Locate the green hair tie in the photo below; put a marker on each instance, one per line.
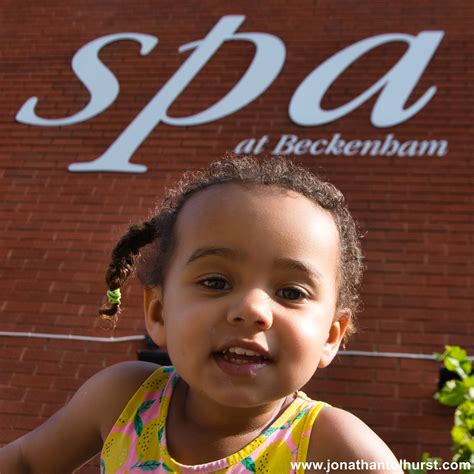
(114, 296)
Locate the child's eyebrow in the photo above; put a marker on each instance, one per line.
(298, 265)
(284, 263)
(219, 251)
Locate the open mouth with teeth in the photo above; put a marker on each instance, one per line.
(237, 355)
(239, 361)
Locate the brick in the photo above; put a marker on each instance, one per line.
(400, 405)
(436, 438)
(12, 393)
(424, 422)
(46, 396)
(55, 369)
(17, 406)
(6, 366)
(21, 422)
(28, 380)
(7, 436)
(58, 228)
(391, 435)
(43, 354)
(351, 374)
(415, 391)
(12, 353)
(349, 402)
(71, 384)
(401, 377)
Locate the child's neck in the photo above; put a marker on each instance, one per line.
(200, 430)
(205, 414)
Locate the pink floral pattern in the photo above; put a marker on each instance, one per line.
(137, 441)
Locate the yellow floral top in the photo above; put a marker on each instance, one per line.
(137, 441)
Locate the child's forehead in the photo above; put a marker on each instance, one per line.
(222, 208)
(240, 195)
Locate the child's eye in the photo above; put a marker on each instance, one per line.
(291, 293)
(215, 283)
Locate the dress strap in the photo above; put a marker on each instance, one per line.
(307, 430)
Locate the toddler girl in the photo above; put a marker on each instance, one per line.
(250, 272)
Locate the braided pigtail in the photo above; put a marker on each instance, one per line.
(124, 256)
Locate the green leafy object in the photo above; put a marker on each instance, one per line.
(459, 435)
(249, 464)
(462, 433)
(470, 446)
(467, 407)
(456, 353)
(269, 431)
(452, 364)
(455, 359)
(463, 455)
(300, 415)
(148, 465)
(138, 424)
(465, 411)
(470, 425)
(466, 366)
(462, 416)
(145, 406)
(452, 394)
(160, 433)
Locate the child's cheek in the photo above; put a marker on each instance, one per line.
(307, 339)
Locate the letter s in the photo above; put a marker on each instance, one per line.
(96, 77)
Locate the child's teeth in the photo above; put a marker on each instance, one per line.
(240, 350)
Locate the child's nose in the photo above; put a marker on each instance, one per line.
(253, 309)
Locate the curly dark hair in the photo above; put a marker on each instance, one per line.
(277, 171)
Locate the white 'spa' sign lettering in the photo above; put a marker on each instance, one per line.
(394, 87)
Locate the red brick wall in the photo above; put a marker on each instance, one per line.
(58, 227)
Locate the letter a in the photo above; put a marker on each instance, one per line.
(396, 85)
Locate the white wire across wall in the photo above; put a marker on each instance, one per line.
(73, 337)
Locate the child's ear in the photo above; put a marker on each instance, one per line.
(154, 322)
(335, 336)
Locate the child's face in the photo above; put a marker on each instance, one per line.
(254, 268)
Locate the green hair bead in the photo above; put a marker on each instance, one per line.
(114, 296)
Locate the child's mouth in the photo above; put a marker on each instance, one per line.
(241, 362)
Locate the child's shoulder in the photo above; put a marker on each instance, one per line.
(76, 432)
(338, 435)
(116, 385)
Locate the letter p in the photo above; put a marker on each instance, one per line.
(265, 67)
